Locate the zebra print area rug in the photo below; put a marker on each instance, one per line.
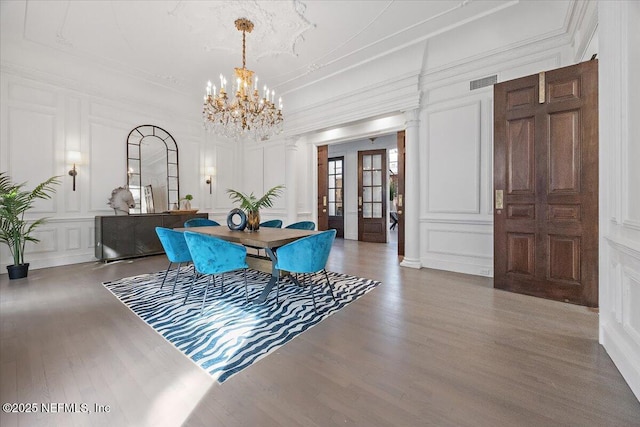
(231, 334)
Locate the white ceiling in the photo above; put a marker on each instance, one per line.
(184, 43)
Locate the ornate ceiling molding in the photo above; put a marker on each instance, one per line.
(279, 25)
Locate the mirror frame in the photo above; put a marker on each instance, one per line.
(134, 159)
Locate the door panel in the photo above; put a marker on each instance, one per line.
(545, 163)
(400, 203)
(323, 187)
(521, 160)
(335, 191)
(372, 196)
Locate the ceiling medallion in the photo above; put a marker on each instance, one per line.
(247, 113)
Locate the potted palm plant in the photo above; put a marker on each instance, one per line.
(252, 205)
(15, 230)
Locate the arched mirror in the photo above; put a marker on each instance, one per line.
(152, 169)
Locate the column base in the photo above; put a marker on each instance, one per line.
(411, 263)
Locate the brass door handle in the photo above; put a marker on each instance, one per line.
(324, 201)
(399, 212)
(499, 199)
(359, 200)
(399, 200)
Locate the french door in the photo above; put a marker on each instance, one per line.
(323, 187)
(372, 196)
(546, 184)
(400, 191)
(335, 203)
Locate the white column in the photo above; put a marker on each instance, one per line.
(411, 192)
(291, 180)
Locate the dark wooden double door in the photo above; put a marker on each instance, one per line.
(546, 185)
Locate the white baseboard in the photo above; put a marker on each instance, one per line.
(623, 357)
(458, 267)
(56, 262)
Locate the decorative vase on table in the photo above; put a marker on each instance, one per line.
(253, 220)
(186, 205)
(252, 205)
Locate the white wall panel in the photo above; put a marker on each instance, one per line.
(274, 171)
(631, 148)
(108, 164)
(454, 160)
(191, 171)
(253, 171)
(73, 142)
(224, 176)
(32, 155)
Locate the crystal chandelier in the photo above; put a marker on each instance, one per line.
(246, 112)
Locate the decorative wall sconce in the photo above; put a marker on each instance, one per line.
(74, 157)
(209, 180)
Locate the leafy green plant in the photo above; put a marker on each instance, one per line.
(250, 203)
(188, 197)
(15, 231)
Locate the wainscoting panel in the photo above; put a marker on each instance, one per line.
(459, 242)
(48, 236)
(464, 246)
(631, 290)
(73, 238)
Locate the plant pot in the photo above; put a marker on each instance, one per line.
(253, 221)
(19, 271)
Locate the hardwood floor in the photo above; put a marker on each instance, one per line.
(425, 348)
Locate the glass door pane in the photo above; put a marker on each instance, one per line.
(335, 187)
(372, 186)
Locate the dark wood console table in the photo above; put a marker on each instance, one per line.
(129, 236)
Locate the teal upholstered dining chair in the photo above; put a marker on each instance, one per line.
(274, 223)
(306, 255)
(175, 246)
(212, 256)
(303, 225)
(199, 222)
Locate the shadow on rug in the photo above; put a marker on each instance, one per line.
(231, 334)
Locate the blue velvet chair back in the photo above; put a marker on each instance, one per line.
(214, 256)
(174, 244)
(306, 255)
(274, 223)
(303, 225)
(200, 222)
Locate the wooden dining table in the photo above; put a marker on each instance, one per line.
(265, 238)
